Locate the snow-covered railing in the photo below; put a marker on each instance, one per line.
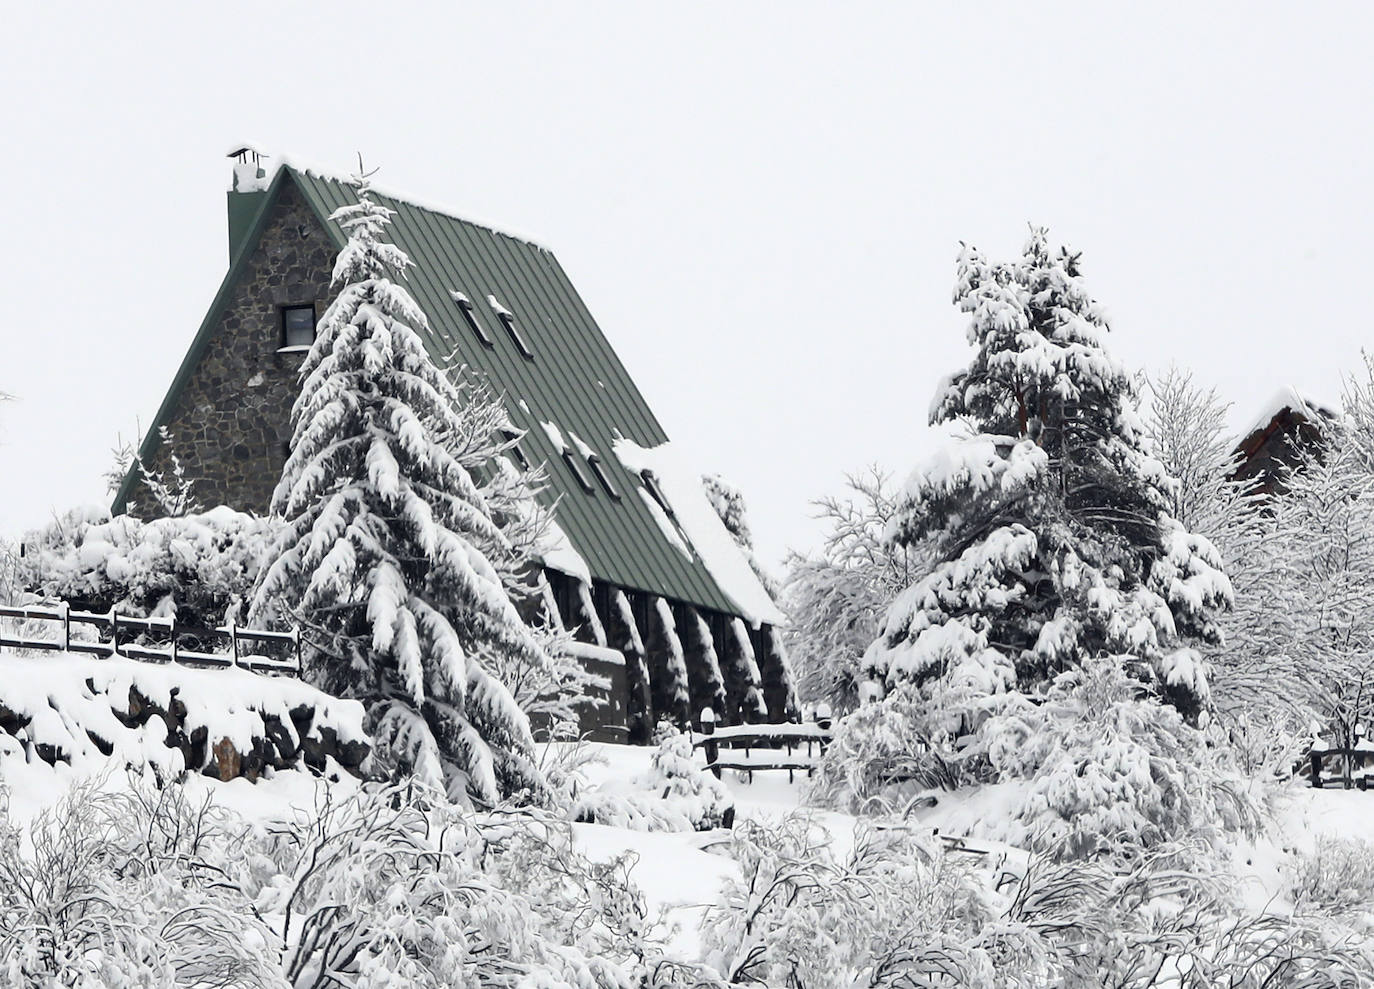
(1355, 765)
(110, 625)
(775, 742)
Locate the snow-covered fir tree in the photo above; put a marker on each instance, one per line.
(1048, 520)
(667, 666)
(705, 682)
(387, 556)
(622, 634)
(743, 684)
(779, 685)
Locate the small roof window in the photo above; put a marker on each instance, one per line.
(599, 469)
(655, 492)
(513, 438)
(297, 326)
(470, 317)
(507, 319)
(570, 459)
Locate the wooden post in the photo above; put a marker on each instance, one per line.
(234, 640)
(66, 627)
(1316, 759)
(708, 728)
(114, 633)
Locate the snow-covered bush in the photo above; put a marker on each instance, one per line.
(835, 600)
(126, 889)
(397, 887)
(896, 911)
(1110, 767)
(1336, 878)
(676, 794)
(199, 568)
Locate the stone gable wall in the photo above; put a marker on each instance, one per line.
(232, 421)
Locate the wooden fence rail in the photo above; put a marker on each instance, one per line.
(109, 626)
(1350, 764)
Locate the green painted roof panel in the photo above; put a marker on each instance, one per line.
(574, 381)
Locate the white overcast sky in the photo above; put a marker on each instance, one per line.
(760, 203)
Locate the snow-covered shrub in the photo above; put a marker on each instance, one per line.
(198, 568)
(896, 911)
(1335, 878)
(892, 912)
(880, 753)
(1109, 766)
(835, 600)
(397, 887)
(676, 794)
(126, 889)
(550, 691)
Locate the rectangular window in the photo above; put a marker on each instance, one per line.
(508, 321)
(470, 317)
(655, 492)
(599, 469)
(570, 459)
(297, 326)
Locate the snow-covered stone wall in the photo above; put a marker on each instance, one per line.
(82, 711)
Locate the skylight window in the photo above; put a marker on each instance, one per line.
(570, 459)
(598, 468)
(655, 492)
(514, 450)
(507, 319)
(470, 317)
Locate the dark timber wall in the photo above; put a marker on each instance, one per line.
(232, 421)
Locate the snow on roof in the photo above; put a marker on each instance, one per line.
(557, 552)
(271, 163)
(1288, 397)
(555, 436)
(497, 308)
(554, 547)
(718, 550)
(665, 525)
(582, 448)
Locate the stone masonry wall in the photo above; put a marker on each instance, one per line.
(232, 421)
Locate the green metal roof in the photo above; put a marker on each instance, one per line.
(574, 380)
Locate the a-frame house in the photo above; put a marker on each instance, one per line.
(640, 554)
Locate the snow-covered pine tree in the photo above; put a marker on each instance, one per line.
(667, 668)
(743, 684)
(779, 685)
(386, 556)
(622, 634)
(1048, 519)
(705, 684)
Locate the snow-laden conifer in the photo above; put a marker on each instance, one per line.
(704, 680)
(388, 553)
(624, 635)
(667, 666)
(1048, 519)
(743, 684)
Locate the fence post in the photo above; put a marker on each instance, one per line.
(708, 728)
(234, 640)
(114, 633)
(66, 627)
(1316, 768)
